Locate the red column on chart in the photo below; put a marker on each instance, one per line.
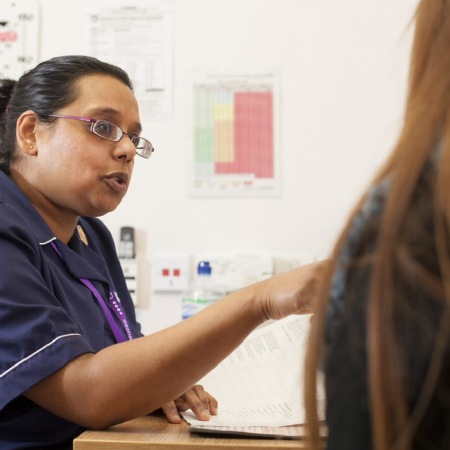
(253, 136)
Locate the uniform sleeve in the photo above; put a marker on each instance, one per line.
(37, 334)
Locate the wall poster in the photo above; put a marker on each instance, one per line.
(135, 35)
(234, 137)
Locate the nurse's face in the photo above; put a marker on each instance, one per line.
(77, 172)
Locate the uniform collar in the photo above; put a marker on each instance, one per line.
(81, 261)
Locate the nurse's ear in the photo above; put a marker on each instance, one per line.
(26, 129)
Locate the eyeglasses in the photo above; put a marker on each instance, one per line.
(111, 132)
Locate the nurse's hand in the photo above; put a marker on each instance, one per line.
(201, 402)
(291, 292)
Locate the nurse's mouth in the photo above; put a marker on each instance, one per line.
(117, 181)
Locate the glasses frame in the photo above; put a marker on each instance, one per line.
(93, 122)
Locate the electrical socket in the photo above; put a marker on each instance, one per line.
(171, 272)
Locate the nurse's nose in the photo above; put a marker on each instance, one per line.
(124, 148)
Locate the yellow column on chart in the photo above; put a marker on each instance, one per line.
(224, 132)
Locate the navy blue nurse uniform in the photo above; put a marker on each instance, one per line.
(47, 316)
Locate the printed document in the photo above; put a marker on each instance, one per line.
(261, 383)
(136, 35)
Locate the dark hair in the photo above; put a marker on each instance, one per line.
(47, 88)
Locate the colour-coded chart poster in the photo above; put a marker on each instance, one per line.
(235, 135)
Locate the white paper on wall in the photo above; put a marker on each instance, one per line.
(137, 36)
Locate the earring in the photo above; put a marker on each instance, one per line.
(31, 147)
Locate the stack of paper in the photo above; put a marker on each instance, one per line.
(261, 383)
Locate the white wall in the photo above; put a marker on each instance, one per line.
(343, 67)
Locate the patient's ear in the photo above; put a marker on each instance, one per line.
(26, 132)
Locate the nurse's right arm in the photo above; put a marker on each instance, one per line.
(134, 378)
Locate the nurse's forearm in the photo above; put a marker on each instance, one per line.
(134, 378)
(164, 365)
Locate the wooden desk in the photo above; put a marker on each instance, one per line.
(155, 433)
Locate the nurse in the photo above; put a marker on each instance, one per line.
(72, 355)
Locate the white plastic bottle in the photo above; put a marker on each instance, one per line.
(202, 292)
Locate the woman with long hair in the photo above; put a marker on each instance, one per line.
(382, 321)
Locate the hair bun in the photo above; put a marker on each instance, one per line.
(6, 90)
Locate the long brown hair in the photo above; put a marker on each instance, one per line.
(426, 123)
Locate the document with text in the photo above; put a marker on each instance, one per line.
(261, 383)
